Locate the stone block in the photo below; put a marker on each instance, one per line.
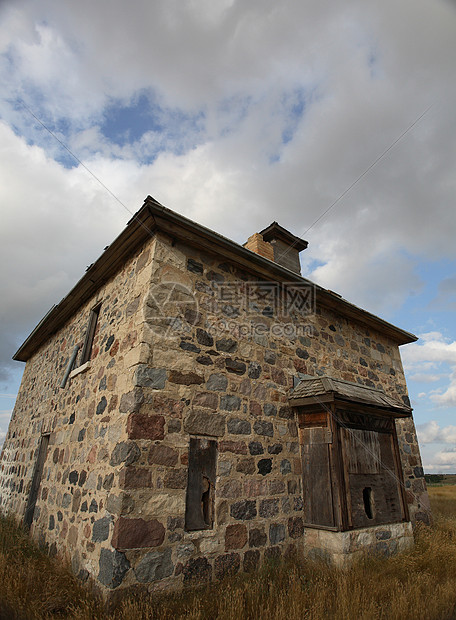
(243, 510)
(276, 533)
(143, 426)
(295, 527)
(264, 466)
(176, 479)
(135, 478)
(154, 566)
(230, 402)
(251, 560)
(197, 570)
(126, 452)
(150, 377)
(113, 566)
(257, 537)
(246, 466)
(237, 447)
(202, 423)
(206, 399)
(235, 537)
(239, 427)
(162, 455)
(185, 378)
(269, 508)
(227, 565)
(217, 383)
(137, 533)
(100, 530)
(263, 427)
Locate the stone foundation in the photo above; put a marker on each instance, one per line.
(341, 548)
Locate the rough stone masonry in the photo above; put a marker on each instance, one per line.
(191, 355)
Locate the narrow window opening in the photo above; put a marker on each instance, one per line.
(90, 334)
(199, 509)
(368, 502)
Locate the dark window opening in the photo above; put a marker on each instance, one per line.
(368, 502)
(90, 334)
(199, 510)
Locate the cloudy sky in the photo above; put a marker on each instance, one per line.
(236, 113)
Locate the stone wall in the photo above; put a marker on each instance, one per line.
(86, 421)
(186, 346)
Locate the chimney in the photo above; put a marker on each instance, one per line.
(279, 245)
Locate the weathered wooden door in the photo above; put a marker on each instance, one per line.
(36, 480)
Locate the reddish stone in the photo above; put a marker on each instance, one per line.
(295, 527)
(168, 406)
(235, 537)
(115, 347)
(92, 456)
(246, 466)
(185, 378)
(237, 447)
(227, 565)
(113, 403)
(55, 456)
(260, 392)
(143, 426)
(176, 479)
(137, 533)
(276, 487)
(86, 530)
(255, 408)
(163, 455)
(297, 466)
(206, 399)
(278, 376)
(135, 478)
(73, 536)
(184, 459)
(253, 488)
(251, 560)
(230, 488)
(300, 365)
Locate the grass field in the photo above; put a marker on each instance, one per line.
(420, 584)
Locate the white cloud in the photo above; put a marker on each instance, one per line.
(294, 101)
(432, 432)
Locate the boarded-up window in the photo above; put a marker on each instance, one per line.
(202, 460)
(90, 334)
(36, 480)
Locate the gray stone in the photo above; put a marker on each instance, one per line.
(125, 452)
(131, 402)
(254, 370)
(150, 377)
(239, 427)
(276, 448)
(217, 383)
(255, 448)
(154, 566)
(382, 535)
(269, 507)
(101, 406)
(230, 402)
(66, 500)
(276, 533)
(100, 531)
(201, 423)
(224, 468)
(228, 345)
(285, 467)
(244, 510)
(185, 550)
(262, 427)
(113, 565)
(270, 409)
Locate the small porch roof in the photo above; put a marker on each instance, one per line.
(314, 390)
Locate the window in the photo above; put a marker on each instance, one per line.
(199, 509)
(90, 334)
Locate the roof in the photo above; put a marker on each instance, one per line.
(314, 388)
(275, 231)
(154, 217)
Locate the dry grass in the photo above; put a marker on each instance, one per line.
(420, 584)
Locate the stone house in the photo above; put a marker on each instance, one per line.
(194, 407)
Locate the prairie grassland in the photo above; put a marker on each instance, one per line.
(419, 584)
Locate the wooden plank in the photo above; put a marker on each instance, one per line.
(318, 506)
(363, 450)
(316, 435)
(36, 480)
